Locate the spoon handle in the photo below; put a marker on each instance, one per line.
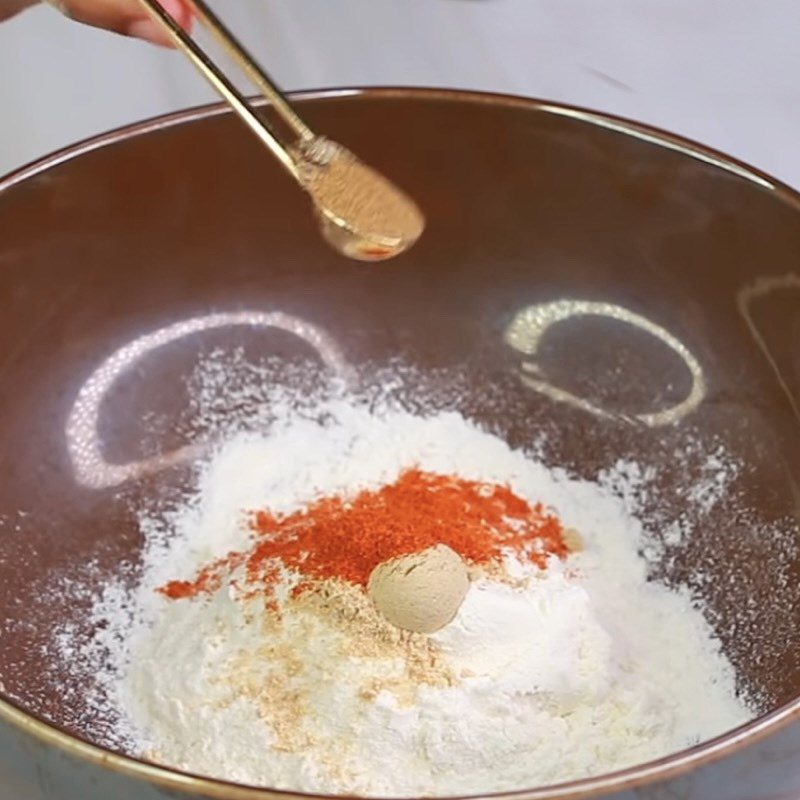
(237, 51)
(220, 81)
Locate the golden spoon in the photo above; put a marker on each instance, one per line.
(361, 213)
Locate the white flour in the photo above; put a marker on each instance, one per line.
(589, 669)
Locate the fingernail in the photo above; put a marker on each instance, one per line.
(178, 10)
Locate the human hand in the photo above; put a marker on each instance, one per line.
(128, 17)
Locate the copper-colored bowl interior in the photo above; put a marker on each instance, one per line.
(525, 206)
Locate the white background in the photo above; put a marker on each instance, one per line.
(724, 72)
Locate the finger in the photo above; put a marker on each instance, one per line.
(8, 8)
(128, 17)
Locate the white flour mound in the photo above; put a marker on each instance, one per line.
(589, 669)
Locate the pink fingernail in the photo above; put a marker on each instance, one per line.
(179, 11)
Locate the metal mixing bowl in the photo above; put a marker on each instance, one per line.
(622, 289)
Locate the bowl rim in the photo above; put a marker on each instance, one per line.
(670, 766)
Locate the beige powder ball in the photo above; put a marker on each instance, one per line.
(421, 592)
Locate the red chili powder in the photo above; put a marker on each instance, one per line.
(344, 538)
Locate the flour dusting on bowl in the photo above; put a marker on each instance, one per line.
(249, 648)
